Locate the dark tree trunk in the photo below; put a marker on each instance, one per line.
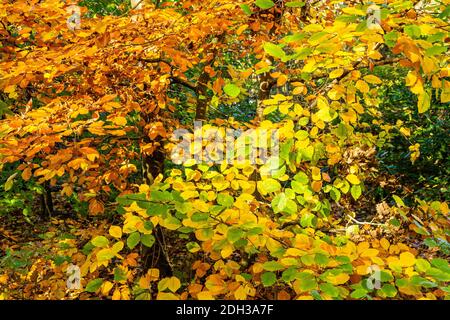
(46, 202)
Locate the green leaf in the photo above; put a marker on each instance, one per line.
(389, 290)
(4, 108)
(133, 239)
(445, 13)
(268, 279)
(232, 90)
(386, 276)
(422, 265)
(356, 191)
(234, 234)
(321, 259)
(270, 185)
(299, 187)
(398, 201)
(193, 246)
(10, 182)
(329, 289)
(105, 254)
(289, 274)
(358, 293)
(272, 266)
(301, 177)
(128, 199)
(162, 196)
(295, 4)
(438, 275)
(279, 203)
(246, 9)
(199, 216)
(274, 50)
(264, 4)
(317, 36)
(148, 240)
(308, 220)
(100, 241)
(294, 37)
(225, 200)
(419, 281)
(307, 281)
(307, 259)
(394, 222)
(119, 275)
(441, 264)
(316, 295)
(413, 31)
(391, 38)
(435, 50)
(335, 194)
(94, 285)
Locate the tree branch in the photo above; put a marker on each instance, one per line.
(355, 67)
(185, 83)
(173, 79)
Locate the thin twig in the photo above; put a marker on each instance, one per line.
(365, 223)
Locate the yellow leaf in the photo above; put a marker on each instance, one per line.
(353, 179)
(362, 86)
(284, 108)
(281, 80)
(363, 246)
(166, 296)
(405, 131)
(369, 253)
(241, 29)
(428, 65)
(268, 185)
(407, 259)
(339, 279)
(10, 182)
(173, 284)
(205, 295)
(116, 295)
(188, 194)
(90, 153)
(226, 251)
(153, 273)
(120, 121)
(240, 293)
(384, 243)
(115, 232)
(424, 102)
(372, 79)
(309, 67)
(336, 73)
(362, 270)
(144, 282)
(411, 78)
(293, 252)
(106, 287)
(298, 90)
(105, 255)
(316, 173)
